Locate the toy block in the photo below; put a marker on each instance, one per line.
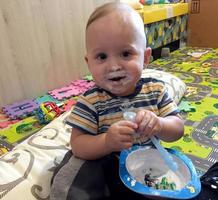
(83, 84)
(5, 124)
(68, 105)
(5, 121)
(46, 98)
(65, 92)
(20, 109)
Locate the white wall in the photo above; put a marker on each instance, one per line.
(41, 45)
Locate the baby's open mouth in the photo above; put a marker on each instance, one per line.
(117, 78)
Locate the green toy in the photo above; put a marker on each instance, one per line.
(186, 107)
(164, 184)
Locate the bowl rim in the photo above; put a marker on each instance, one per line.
(191, 189)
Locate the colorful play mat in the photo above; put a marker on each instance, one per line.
(198, 68)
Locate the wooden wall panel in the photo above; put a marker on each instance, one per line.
(41, 45)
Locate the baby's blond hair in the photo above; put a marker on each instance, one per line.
(109, 8)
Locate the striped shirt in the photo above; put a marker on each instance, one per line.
(97, 108)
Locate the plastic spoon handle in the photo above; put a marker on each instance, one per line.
(164, 153)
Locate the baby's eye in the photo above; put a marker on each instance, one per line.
(126, 54)
(101, 56)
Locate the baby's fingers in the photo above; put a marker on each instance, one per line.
(128, 124)
(127, 138)
(144, 123)
(140, 116)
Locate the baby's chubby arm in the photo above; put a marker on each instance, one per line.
(168, 129)
(90, 147)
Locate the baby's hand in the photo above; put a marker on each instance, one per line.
(119, 135)
(149, 124)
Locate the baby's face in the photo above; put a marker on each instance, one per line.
(115, 53)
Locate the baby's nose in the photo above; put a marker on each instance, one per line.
(114, 64)
(115, 68)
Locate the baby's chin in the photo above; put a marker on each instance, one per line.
(122, 87)
(124, 91)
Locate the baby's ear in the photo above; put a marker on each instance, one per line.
(147, 55)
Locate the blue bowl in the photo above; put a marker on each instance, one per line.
(140, 160)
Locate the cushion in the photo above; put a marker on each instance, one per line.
(175, 86)
(26, 171)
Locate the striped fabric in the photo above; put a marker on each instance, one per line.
(97, 109)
